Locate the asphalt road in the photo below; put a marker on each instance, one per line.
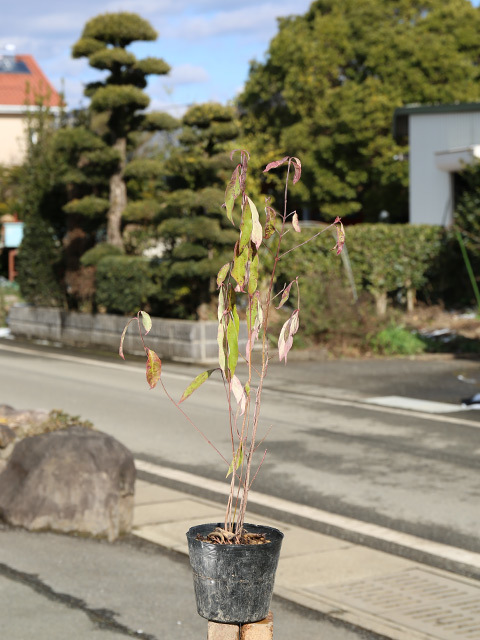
(54, 587)
(326, 448)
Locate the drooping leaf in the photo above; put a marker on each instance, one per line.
(340, 235)
(254, 322)
(232, 342)
(146, 321)
(222, 348)
(285, 340)
(239, 393)
(253, 274)
(193, 386)
(232, 192)
(221, 304)
(295, 223)
(270, 223)
(298, 169)
(285, 295)
(257, 232)
(246, 226)
(120, 348)
(237, 460)
(222, 274)
(275, 164)
(154, 368)
(240, 266)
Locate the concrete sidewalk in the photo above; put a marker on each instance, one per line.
(379, 592)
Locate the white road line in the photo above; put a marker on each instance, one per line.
(88, 361)
(344, 402)
(384, 534)
(361, 403)
(424, 406)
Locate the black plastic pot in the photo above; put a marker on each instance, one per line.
(234, 583)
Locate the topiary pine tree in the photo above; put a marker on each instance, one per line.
(195, 230)
(120, 98)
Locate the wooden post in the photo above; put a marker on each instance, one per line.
(11, 264)
(261, 630)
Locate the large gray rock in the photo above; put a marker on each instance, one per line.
(73, 480)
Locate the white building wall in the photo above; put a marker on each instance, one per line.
(431, 189)
(12, 139)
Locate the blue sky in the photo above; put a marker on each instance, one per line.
(208, 43)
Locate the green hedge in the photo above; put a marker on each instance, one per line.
(124, 284)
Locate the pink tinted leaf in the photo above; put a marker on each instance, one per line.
(154, 368)
(298, 169)
(193, 386)
(340, 235)
(239, 393)
(146, 321)
(285, 295)
(285, 340)
(120, 348)
(295, 223)
(275, 164)
(222, 274)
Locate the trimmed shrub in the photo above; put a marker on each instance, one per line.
(92, 257)
(124, 284)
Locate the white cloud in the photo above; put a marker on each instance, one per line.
(186, 74)
(260, 20)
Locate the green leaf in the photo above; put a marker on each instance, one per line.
(270, 223)
(240, 266)
(246, 227)
(253, 275)
(146, 321)
(252, 313)
(221, 304)
(237, 460)
(222, 348)
(232, 341)
(193, 386)
(154, 368)
(232, 192)
(257, 231)
(222, 274)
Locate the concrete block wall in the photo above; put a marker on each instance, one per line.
(181, 340)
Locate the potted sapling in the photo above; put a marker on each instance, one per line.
(234, 562)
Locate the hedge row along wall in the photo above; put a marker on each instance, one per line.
(386, 261)
(397, 262)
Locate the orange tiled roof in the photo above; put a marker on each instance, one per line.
(23, 88)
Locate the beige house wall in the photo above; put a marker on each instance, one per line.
(12, 138)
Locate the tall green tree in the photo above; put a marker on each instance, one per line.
(40, 260)
(194, 229)
(331, 81)
(119, 98)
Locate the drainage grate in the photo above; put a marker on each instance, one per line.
(447, 608)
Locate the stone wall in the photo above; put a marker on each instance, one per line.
(181, 340)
